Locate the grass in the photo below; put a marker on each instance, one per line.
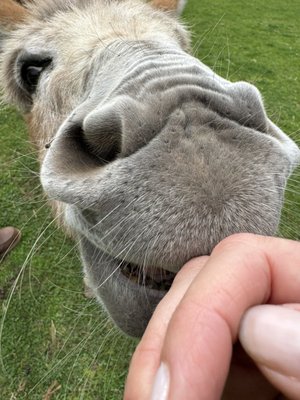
(56, 344)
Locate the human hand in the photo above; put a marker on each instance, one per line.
(185, 353)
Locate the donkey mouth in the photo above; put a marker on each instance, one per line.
(154, 278)
(129, 292)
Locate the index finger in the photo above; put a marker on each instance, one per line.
(243, 270)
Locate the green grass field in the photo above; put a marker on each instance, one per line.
(56, 344)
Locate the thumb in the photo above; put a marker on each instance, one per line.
(271, 336)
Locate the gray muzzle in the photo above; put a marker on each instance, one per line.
(162, 160)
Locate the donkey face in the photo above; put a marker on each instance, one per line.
(154, 158)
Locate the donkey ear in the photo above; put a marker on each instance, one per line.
(11, 13)
(176, 6)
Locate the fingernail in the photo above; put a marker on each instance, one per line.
(160, 388)
(270, 334)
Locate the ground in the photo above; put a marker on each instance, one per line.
(56, 344)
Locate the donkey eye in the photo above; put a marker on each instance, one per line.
(31, 72)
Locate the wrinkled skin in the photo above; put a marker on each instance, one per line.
(154, 158)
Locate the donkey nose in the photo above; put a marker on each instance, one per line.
(102, 131)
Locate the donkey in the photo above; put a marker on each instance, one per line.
(149, 157)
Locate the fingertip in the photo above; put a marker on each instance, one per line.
(161, 383)
(191, 268)
(270, 335)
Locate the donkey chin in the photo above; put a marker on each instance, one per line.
(158, 167)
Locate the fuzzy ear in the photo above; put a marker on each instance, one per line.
(176, 6)
(11, 13)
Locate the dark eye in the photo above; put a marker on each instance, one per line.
(31, 72)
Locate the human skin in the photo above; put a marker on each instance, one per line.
(186, 351)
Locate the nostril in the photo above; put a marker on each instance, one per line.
(102, 133)
(104, 146)
(249, 105)
(101, 147)
(73, 130)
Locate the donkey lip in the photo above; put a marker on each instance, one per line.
(129, 304)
